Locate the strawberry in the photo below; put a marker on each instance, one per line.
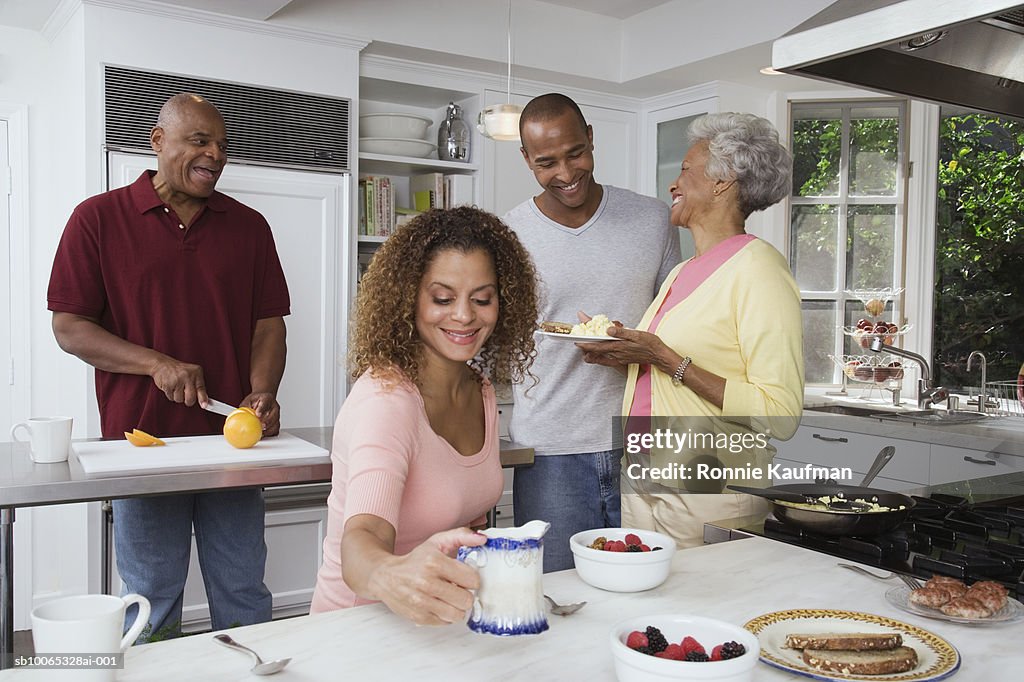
(674, 651)
(636, 639)
(615, 546)
(716, 653)
(632, 539)
(690, 644)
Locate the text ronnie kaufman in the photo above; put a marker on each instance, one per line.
(705, 472)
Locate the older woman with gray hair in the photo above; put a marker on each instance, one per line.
(715, 367)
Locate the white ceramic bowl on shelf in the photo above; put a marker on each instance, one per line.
(622, 571)
(396, 146)
(634, 666)
(404, 126)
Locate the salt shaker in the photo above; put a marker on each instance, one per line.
(453, 136)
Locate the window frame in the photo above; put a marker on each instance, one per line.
(843, 201)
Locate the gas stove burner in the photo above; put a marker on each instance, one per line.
(944, 535)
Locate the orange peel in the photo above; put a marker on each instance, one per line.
(141, 439)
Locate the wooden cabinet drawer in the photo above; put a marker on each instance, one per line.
(950, 464)
(833, 448)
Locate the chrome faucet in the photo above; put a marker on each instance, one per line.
(983, 398)
(927, 395)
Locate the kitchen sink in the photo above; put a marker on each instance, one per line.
(935, 416)
(912, 416)
(848, 410)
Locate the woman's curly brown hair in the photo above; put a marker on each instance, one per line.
(385, 337)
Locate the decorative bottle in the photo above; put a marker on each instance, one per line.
(453, 136)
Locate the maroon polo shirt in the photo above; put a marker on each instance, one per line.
(194, 294)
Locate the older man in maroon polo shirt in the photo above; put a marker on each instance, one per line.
(174, 292)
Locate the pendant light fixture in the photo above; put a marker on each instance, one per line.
(501, 121)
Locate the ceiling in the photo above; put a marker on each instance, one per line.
(644, 48)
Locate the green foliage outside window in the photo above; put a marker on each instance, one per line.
(979, 250)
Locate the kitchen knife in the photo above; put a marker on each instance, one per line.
(219, 407)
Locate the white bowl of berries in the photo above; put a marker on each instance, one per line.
(622, 559)
(683, 647)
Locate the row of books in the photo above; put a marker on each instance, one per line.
(381, 212)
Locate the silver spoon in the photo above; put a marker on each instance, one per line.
(261, 668)
(566, 610)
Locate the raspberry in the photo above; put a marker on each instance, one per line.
(615, 546)
(632, 539)
(636, 640)
(644, 548)
(673, 651)
(656, 640)
(716, 653)
(697, 657)
(732, 650)
(690, 644)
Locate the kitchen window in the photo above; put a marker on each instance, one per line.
(979, 245)
(847, 220)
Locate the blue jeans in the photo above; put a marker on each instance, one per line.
(153, 540)
(572, 493)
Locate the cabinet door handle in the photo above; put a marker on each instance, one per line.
(990, 462)
(829, 440)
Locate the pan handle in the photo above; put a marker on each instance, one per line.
(828, 439)
(881, 459)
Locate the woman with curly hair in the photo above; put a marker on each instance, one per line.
(448, 305)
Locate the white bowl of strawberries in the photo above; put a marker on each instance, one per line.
(683, 647)
(622, 559)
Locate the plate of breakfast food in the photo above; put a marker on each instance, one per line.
(945, 598)
(826, 644)
(592, 330)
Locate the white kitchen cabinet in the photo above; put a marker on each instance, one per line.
(835, 448)
(950, 464)
(890, 484)
(295, 539)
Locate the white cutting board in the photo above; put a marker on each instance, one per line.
(109, 457)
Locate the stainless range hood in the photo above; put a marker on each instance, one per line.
(964, 52)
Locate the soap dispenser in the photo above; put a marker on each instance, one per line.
(453, 136)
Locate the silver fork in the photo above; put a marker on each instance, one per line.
(912, 583)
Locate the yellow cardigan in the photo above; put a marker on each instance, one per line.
(742, 323)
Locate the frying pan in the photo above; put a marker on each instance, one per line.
(826, 521)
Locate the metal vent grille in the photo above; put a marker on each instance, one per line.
(266, 126)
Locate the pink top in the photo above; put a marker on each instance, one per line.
(690, 275)
(389, 462)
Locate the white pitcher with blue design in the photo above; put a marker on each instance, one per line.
(510, 600)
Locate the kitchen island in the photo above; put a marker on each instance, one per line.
(23, 483)
(732, 581)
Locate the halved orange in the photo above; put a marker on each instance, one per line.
(242, 428)
(142, 439)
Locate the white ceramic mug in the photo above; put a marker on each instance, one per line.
(49, 438)
(87, 624)
(510, 600)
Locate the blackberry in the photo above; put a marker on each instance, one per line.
(644, 650)
(655, 549)
(732, 650)
(633, 548)
(656, 641)
(697, 657)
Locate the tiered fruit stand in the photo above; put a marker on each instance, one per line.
(875, 371)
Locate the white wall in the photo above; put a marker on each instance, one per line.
(60, 84)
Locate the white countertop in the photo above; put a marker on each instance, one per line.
(995, 434)
(733, 581)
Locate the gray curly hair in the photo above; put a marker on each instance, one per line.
(745, 148)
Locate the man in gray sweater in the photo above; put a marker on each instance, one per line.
(597, 249)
